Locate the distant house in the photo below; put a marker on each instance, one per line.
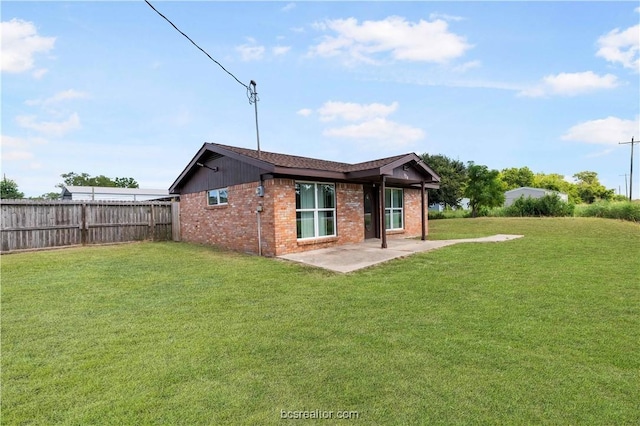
(440, 207)
(102, 193)
(273, 204)
(525, 191)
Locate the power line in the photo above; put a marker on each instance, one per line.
(252, 93)
(200, 48)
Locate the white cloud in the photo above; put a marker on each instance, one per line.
(605, 131)
(404, 40)
(250, 52)
(378, 129)
(598, 154)
(39, 73)
(571, 84)
(58, 97)
(444, 16)
(11, 142)
(49, 128)
(369, 122)
(288, 7)
(18, 149)
(305, 112)
(20, 42)
(281, 50)
(621, 47)
(467, 66)
(17, 155)
(350, 111)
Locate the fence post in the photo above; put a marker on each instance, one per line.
(83, 226)
(175, 221)
(152, 223)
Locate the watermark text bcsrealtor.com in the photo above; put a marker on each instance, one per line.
(319, 414)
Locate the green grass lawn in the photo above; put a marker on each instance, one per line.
(543, 329)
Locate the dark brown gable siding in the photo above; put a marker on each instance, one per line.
(410, 174)
(230, 172)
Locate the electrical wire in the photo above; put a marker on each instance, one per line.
(251, 94)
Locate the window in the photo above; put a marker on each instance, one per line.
(217, 197)
(315, 209)
(393, 212)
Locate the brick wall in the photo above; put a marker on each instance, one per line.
(232, 226)
(412, 216)
(235, 226)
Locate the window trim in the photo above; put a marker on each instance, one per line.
(316, 210)
(217, 196)
(391, 209)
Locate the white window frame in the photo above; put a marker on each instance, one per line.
(316, 210)
(389, 210)
(215, 193)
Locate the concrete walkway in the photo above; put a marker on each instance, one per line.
(351, 257)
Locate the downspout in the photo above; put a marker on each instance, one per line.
(383, 226)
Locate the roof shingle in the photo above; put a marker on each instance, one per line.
(297, 162)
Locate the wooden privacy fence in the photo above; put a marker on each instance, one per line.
(28, 224)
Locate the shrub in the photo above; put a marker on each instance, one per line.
(548, 205)
(449, 214)
(624, 210)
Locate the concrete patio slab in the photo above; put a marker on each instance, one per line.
(351, 257)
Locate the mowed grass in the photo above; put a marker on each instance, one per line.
(543, 329)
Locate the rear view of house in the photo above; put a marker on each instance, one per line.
(273, 204)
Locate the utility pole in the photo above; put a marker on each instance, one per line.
(626, 188)
(631, 171)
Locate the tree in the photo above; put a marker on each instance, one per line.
(484, 188)
(9, 190)
(84, 179)
(453, 178)
(48, 196)
(590, 189)
(514, 177)
(126, 182)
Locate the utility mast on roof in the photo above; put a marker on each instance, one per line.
(253, 99)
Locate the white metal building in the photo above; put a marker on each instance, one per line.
(514, 194)
(101, 193)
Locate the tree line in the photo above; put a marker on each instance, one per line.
(485, 188)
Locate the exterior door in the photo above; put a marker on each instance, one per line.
(371, 223)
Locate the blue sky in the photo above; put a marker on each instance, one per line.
(111, 88)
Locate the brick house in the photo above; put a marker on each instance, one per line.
(273, 204)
